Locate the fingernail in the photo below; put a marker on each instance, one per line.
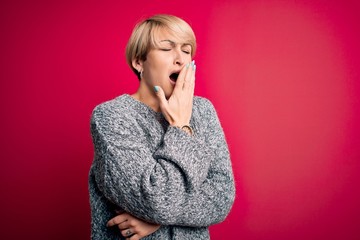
(187, 65)
(156, 88)
(194, 67)
(193, 64)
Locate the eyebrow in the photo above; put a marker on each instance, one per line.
(174, 43)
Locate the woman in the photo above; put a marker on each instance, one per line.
(161, 168)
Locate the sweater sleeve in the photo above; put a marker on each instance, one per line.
(187, 181)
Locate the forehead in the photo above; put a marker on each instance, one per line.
(165, 36)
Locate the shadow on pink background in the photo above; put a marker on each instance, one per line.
(283, 75)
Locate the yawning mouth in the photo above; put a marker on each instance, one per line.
(174, 76)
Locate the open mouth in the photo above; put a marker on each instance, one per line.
(174, 76)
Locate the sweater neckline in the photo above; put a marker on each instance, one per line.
(141, 106)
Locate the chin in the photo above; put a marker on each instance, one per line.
(168, 93)
(167, 96)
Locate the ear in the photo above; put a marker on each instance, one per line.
(137, 64)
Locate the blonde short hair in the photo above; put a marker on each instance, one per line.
(143, 38)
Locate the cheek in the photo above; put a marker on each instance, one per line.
(188, 58)
(156, 73)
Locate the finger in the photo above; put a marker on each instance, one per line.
(163, 102)
(116, 220)
(127, 232)
(192, 82)
(181, 78)
(134, 237)
(124, 225)
(188, 82)
(161, 97)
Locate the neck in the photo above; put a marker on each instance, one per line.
(147, 96)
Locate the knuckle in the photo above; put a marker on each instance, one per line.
(136, 229)
(112, 221)
(132, 222)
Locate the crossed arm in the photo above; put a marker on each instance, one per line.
(186, 181)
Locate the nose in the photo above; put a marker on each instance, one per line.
(179, 57)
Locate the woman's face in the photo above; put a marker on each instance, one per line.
(163, 64)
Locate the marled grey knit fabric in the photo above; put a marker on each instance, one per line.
(158, 172)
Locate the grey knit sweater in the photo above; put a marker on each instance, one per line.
(158, 172)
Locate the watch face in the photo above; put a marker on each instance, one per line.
(187, 129)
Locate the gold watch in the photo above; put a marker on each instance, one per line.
(187, 129)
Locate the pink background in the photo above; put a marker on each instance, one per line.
(283, 75)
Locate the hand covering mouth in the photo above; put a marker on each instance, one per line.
(174, 76)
